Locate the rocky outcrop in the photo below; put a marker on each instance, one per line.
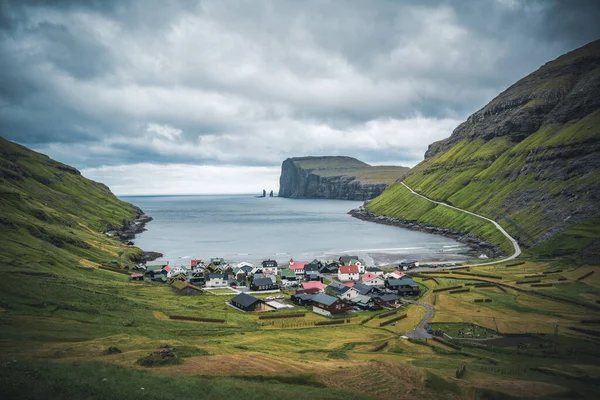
(332, 178)
(562, 90)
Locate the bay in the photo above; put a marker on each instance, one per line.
(246, 228)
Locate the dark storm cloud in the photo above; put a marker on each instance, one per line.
(249, 83)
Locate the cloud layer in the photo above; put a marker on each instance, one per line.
(248, 83)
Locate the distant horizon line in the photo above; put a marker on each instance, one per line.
(192, 194)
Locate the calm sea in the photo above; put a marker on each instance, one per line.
(246, 228)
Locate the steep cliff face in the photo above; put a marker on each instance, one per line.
(529, 159)
(335, 178)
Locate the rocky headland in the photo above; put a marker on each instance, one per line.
(336, 177)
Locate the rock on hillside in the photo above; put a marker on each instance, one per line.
(529, 159)
(343, 178)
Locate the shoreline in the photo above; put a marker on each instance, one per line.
(475, 243)
(127, 232)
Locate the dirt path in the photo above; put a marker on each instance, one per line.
(514, 242)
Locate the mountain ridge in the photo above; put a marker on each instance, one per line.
(529, 159)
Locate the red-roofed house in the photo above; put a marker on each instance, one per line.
(298, 267)
(395, 275)
(348, 273)
(314, 284)
(194, 263)
(372, 279)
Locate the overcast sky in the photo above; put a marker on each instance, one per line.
(181, 97)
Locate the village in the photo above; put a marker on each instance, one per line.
(332, 289)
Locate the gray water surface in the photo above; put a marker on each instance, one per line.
(246, 228)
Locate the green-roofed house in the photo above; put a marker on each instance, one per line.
(287, 275)
(405, 286)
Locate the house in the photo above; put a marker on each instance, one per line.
(314, 284)
(154, 272)
(137, 277)
(371, 279)
(313, 276)
(363, 289)
(302, 299)
(247, 269)
(349, 294)
(162, 278)
(197, 279)
(327, 305)
(287, 274)
(185, 289)
(365, 302)
(346, 260)
(348, 273)
(375, 271)
(405, 286)
(395, 275)
(298, 267)
(270, 264)
(329, 268)
(313, 290)
(312, 267)
(336, 289)
(360, 265)
(216, 280)
(196, 263)
(172, 271)
(217, 261)
(245, 302)
(263, 284)
(388, 300)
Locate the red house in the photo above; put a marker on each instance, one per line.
(327, 305)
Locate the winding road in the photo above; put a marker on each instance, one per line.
(420, 332)
(514, 242)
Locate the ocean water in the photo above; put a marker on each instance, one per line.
(246, 228)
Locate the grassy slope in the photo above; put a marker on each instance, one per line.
(541, 188)
(347, 166)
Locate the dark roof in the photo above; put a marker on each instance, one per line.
(311, 267)
(217, 276)
(262, 282)
(388, 297)
(404, 281)
(325, 299)
(338, 288)
(269, 262)
(245, 300)
(362, 288)
(304, 296)
(373, 269)
(347, 259)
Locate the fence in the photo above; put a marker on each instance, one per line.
(282, 316)
(197, 319)
(384, 323)
(387, 314)
(460, 291)
(585, 276)
(448, 288)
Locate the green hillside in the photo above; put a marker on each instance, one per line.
(529, 159)
(51, 215)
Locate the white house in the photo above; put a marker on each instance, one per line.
(216, 280)
(360, 265)
(172, 271)
(348, 273)
(349, 294)
(373, 280)
(298, 267)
